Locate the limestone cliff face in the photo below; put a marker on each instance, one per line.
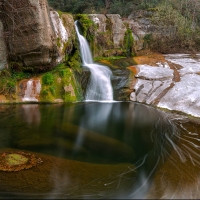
(118, 29)
(112, 23)
(3, 51)
(109, 35)
(111, 30)
(29, 32)
(35, 36)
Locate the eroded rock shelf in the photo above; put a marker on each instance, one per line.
(173, 84)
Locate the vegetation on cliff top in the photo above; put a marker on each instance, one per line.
(182, 15)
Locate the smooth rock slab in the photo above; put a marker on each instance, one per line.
(184, 96)
(189, 65)
(149, 72)
(147, 91)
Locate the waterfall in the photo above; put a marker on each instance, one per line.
(99, 87)
(33, 88)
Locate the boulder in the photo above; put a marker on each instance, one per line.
(31, 37)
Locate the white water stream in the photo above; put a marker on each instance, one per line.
(99, 87)
(33, 88)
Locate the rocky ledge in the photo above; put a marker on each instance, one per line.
(173, 82)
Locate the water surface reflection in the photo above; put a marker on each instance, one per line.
(100, 150)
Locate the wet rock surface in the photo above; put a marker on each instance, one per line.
(172, 84)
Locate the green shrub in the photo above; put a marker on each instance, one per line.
(128, 42)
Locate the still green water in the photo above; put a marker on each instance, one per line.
(127, 150)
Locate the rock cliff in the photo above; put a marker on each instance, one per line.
(29, 32)
(34, 35)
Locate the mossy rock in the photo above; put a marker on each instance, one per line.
(17, 161)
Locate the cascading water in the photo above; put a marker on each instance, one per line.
(99, 87)
(33, 88)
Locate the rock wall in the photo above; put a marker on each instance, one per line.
(109, 35)
(60, 86)
(29, 31)
(3, 50)
(118, 29)
(111, 29)
(36, 36)
(63, 26)
(143, 25)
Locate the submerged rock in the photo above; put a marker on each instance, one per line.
(62, 178)
(17, 161)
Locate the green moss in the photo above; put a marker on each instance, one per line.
(58, 42)
(8, 81)
(109, 58)
(52, 90)
(48, 88)
(54, 85)
(75, 62)
(64, 73)
(16, 159)
(59, 13)
(44, 93)
(10, 84)
(68, 98)
(86, 23)
(128, 42)
(47, 79)
(147, 40)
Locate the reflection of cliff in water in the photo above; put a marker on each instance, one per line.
(158, 159)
